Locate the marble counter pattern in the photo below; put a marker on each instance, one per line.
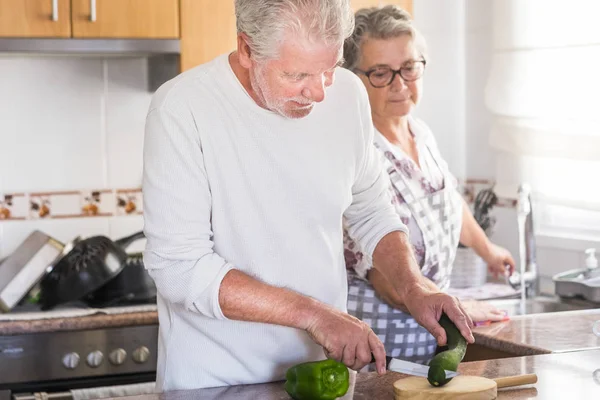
(542, 333)
(97, 321)
(574, 375)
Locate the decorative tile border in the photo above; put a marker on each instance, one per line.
(70, 204)
(120, 202)
(13, 206)
(129, 201)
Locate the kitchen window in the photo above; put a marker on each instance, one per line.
(543, 90)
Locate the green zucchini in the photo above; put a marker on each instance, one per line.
(449, 359)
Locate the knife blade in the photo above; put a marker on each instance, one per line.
(410, 368)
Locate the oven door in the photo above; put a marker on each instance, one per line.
(83, 391)
(70, 363)
(86, 389)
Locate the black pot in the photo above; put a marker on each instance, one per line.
(88, 266)
(133, 285)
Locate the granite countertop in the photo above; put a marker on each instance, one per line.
(574, 375)
(542, 333)
(521, 335)
(76, 323)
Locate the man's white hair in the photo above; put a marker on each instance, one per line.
(266, 21)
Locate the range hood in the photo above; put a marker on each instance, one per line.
(91, 46)
(162, 54)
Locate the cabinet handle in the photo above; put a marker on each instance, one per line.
(93, 10)
(54, 10)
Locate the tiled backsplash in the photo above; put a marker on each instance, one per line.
(69, 123)
(115, 213)
(74, 204)
(71, 137)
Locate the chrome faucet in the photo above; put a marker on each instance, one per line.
(527, 273)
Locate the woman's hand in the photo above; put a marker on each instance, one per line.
(497, 259)
(425, 303)
(426, 307)
(482, 311)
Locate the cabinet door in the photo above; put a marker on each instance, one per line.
(358, 4)
(405, 4)
(144, 19)
(207, 30)
(35, 18)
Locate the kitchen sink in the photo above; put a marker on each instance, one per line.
(542, 304)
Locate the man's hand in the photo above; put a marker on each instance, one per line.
(426, 307)
(346, 339)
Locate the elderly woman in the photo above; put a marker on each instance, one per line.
(389, 56)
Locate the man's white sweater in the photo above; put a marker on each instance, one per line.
(228, 184)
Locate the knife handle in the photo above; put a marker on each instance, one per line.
(388, 359)
(516, 380)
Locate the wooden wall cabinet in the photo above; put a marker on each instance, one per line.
(35, 18)
(205, 28)
(208, 27)
(108, 19)
(140, 19)
(405, 4)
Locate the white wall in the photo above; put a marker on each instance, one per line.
(478, 37)
(70, 124)
(459, 36)
(77, 123)
(443, 103)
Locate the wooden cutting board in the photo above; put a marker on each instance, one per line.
(460, 388)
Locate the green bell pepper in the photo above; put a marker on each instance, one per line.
(317, 380)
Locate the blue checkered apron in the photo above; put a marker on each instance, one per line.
(439, 216)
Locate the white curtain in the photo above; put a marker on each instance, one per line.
(544, 93)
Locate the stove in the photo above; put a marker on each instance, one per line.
(57, 362)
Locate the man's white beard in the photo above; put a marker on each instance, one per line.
(263, 91)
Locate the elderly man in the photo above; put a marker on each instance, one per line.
(243, 205)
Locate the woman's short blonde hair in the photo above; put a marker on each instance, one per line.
(380, 23)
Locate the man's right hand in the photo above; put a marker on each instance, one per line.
(346, 339)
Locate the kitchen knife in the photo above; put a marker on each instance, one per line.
(410, 368)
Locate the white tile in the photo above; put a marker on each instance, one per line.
(63, 230)
(14, 205)
(129, 202)
(50, 121)
(100, 203)
(125, 226)
(127, 103)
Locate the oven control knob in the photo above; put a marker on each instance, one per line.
(117, 356)
(95, 358)
(141, 354)
(70, 360)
